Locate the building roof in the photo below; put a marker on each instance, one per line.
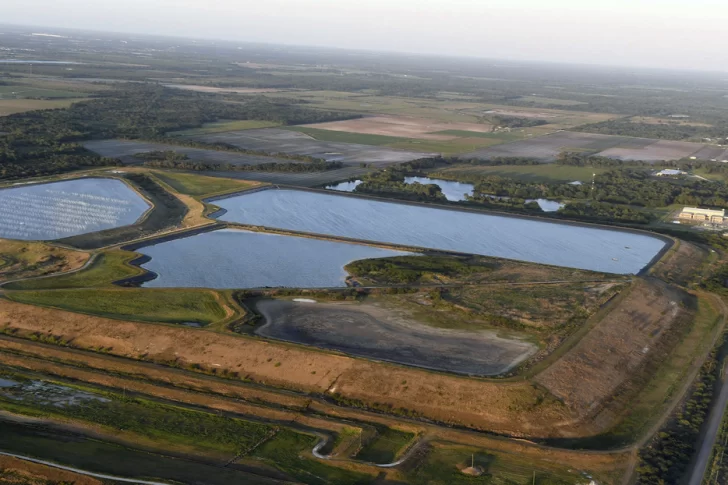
(670, 171)
(707, 212)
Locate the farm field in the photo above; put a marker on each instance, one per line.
(25, 92)
(223, 126)
(442, 110)
(13, 106)
(404, 127)
(68, 208)
(547, 148)
(212, 89)
(274, 140)
(374, 332)
(126, 149)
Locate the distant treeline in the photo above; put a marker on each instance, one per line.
(663, 131)
(46, 142)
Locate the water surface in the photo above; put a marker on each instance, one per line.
(231, 258)
(524, 239)
(453, 191)
(67, 208)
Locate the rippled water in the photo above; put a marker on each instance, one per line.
(517, 238)
(231, 258)
(67, 208)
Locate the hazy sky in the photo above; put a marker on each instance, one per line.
(652, 33)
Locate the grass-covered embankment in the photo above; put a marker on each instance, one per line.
(140, 304)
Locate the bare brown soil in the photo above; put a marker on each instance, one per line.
(402, 126)
(680, 265)
(21, 259)
(616, 350)
(180, 386)
(514, 408)
(18, 472)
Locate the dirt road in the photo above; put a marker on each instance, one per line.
(706, 446)
(81, 472)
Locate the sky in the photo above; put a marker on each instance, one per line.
(675, 34)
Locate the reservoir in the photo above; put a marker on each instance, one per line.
(232, 258)
(523, 239)
(68, 208)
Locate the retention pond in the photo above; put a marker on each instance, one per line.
(232, 258)
(518, 238)
(68, 208)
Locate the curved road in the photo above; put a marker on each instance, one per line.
(706, 446)
(81, 472)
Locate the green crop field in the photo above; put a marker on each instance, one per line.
(106, 268)
(142, 304)
(203, 186)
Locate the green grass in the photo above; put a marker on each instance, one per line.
(548, 172)
(446, 147)
(98, 456)
(442, 466)
(24, 92)
(385, 446)
(285, 452)
(203, 186)
(346, 137)
(142, 304)
(223, 126)
(106, 268)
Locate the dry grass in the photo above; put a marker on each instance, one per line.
(12, 106)
(18, 472)
(402, 126)
(21, 259)
(617, 349)
(510, 408)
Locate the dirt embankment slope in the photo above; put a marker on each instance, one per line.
(14, 471)
(619, 348)
(513, 408)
